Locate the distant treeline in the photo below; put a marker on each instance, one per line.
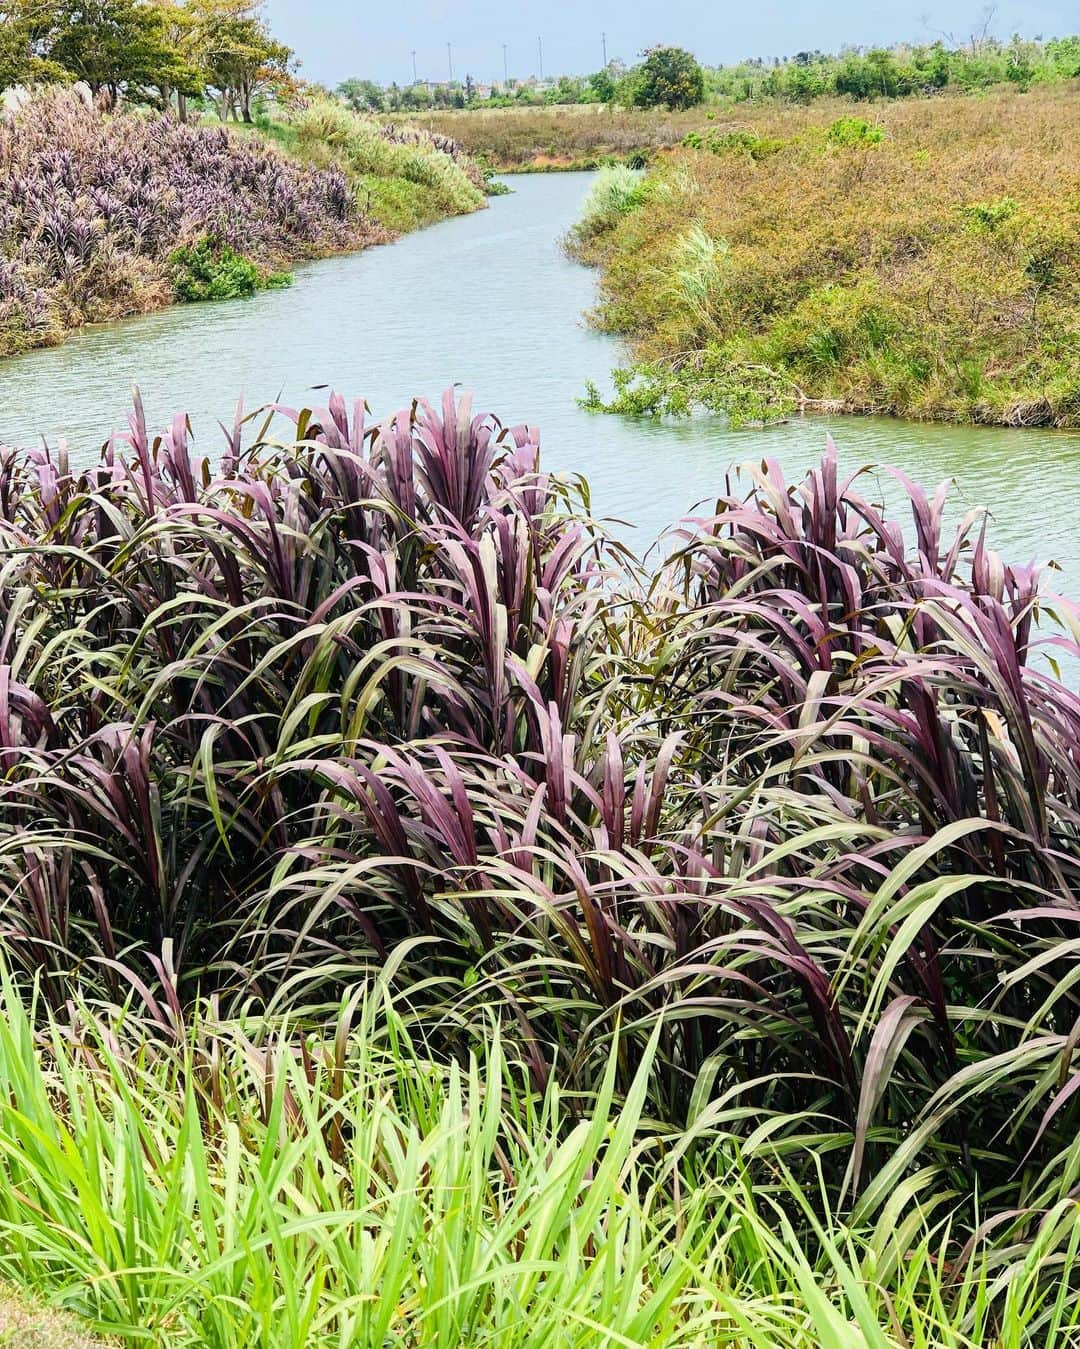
(902, 71)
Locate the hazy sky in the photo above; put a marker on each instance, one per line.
(336, 38)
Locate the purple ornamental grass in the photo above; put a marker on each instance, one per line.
(382, 692)
(92, 205)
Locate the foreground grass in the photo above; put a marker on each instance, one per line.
(922, 263)
(255, 1184)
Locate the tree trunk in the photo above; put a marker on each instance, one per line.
(181, 106)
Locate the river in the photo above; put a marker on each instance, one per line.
(489, 302)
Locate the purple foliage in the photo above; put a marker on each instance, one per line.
(809, 799)
(91, 206)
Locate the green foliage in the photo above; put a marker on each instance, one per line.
(668, 77)
(712, 382)
(440, 181)
(114, 45)
(209, 269)
(362, 95)
(988, 215)
(739, 142)
(854, 132)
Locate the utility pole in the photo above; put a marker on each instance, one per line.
(414, 79)
(506, 68)
(450, 62)
(603, 44)
(540, 48)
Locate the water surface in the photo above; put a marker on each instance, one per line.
(489, 302)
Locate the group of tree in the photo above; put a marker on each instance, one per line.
(163, 52)
(666, 76)
(902, 71)
(672, 77)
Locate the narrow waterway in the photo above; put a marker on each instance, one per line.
(490, 302)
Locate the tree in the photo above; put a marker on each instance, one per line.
(240, 58)
(120, 46)
(668, 77)
(362, 95)
(602, 86)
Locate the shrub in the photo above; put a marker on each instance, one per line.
(988, 215)
(854, 131)
(743, 143)
(210, 270)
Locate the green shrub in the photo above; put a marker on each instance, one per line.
(212, 270)
(854, 132)
(983, 216)
(744, 143)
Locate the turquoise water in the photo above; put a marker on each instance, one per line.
(489, 302)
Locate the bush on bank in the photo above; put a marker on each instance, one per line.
(802, 813)
(923, 265)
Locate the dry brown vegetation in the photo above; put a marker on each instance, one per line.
(924, 262)
(574, 136)
(24, 1326)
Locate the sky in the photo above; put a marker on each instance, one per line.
(338, 38)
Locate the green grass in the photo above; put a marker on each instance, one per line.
(405, 183)
(258, 1184)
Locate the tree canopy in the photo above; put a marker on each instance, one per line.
(668, 77)
(154, 50)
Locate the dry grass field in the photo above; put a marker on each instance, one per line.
(923, 261)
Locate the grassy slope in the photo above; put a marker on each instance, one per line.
(932, 275)
(402, 186)
(398, 188)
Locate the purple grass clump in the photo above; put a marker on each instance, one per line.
(809, 799)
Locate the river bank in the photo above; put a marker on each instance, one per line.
(108, 215)
(646, 473)
(919, 259)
